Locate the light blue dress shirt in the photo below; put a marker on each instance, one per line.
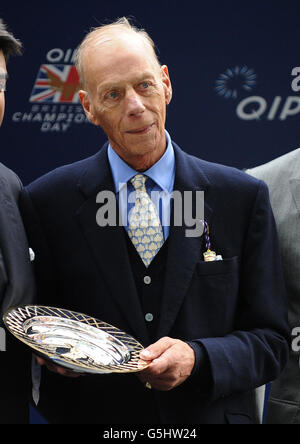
(160, 180)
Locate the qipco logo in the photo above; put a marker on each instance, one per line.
(236, 81)
(257, 107)
(277, 108)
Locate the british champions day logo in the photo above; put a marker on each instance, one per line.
(56, 84)
(54, 96)
(238, 80)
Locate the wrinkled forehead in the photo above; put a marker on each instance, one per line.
(112, 38)
(109, 48)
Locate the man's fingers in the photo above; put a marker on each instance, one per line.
(68, 373)
(157, 349)
(169, 359)
(57, 369)
(171, 367)
(40, 360)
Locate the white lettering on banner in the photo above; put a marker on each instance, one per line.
(258, 107)
(289, 109)
(46, 127)
(56, 55)
(274, 108)
(255, 107)
(56, 118)
(2, 340)
(296, 82)
(50, 117)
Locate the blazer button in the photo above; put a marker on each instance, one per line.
(147, 280)
(149, 317)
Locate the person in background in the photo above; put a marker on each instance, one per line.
(213, 330)
(282, 176)
(17, 285)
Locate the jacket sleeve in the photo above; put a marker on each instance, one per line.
(16, 269)
(43, 263)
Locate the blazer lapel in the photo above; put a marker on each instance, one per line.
(183, 252)
(108, 245)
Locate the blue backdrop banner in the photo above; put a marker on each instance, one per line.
(234, 66)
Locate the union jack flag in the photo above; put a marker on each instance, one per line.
(56, 84)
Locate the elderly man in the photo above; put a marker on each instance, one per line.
(16, 277)
(213, 331)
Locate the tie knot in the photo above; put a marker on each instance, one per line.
(139, 182)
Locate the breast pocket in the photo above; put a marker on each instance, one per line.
(214, 294)
(227, 266)
(218, 278)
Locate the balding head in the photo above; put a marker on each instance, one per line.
(107, 35)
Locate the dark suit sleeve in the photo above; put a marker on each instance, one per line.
(257, 350)
(43, 264)
(16, 269)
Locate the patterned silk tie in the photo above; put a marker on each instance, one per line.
(144, 228)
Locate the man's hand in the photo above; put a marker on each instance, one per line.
(172, 362)
(56, 369)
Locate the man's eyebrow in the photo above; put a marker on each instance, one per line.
(139, 78)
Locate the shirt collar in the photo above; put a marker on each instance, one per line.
(162, 172)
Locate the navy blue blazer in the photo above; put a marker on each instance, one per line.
(234, 308)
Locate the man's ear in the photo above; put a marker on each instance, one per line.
(167, 83)
(87, 106)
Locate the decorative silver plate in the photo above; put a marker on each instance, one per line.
(74, 340)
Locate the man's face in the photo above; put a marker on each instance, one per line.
(3, 73)
(127, 96)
